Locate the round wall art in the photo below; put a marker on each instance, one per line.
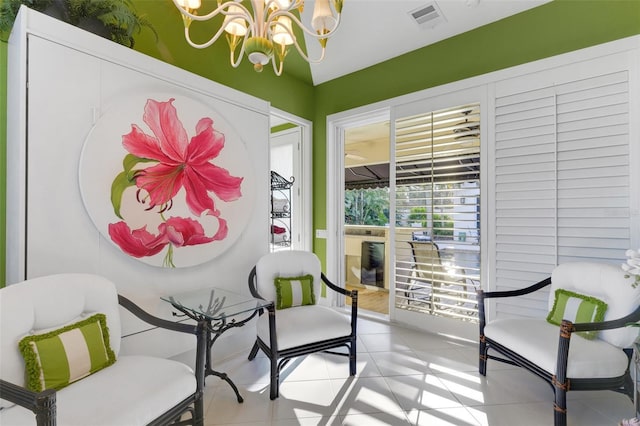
(166, 179)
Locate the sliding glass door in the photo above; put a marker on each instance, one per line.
(437, 212)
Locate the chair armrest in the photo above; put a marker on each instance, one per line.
(332, 286)
(252, 284)
(567, 328)
(482, 295)
(353, 294)
(153, 320)
(633, 317)
(199, 330)
(43, 404)
(511, 293)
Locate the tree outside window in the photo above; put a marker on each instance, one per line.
(366, 207)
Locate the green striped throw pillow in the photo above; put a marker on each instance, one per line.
(55, 359)
(577, 308)
(294, 291)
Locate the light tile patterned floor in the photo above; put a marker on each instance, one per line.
(404, 377)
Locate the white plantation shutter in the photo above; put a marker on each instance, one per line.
(561, 181)
(437, 219)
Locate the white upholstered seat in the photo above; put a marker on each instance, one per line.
(559, 354)
(299, 326)
(540, 345)
(296, 331)
(135, 390)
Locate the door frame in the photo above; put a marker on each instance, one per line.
(306, 173)
(336, 126)
(368, 114)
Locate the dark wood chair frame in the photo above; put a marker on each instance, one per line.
(559, 382)
(280, 358)
(43, 404)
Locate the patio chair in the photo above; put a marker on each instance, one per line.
(296, 324)
(583, 344)
(59, 344)
(434, 283)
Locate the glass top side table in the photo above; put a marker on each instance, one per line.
(216, 304)
(216, 311)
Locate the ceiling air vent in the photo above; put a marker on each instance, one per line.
(427, 16)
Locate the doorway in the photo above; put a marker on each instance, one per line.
(438, 176)
(290, 204)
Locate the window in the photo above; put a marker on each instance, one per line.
(437, 212)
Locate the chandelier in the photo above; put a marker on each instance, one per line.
(263, 31)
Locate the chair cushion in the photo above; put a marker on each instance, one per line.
(294, 291)
(133, 391)
(46, 303)
(302, 325)
(537, 341)
(577, 308)
(287, 263)
(55, 359)
(606, 282)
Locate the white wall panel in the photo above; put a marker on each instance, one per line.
(74, 78)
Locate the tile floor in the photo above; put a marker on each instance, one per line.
(404, 377)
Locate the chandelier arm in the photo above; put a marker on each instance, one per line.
(294, 4)
(202, 45)
(219, 10)
(306, 57)
(312, 33)
(277, 69)
(298, 47)
(234, 63)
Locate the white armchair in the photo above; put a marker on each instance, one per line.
(305, 327)
(576, 354)
(133, 390)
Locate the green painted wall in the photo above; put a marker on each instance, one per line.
(557, 27)
(283, 127)
(554, 28)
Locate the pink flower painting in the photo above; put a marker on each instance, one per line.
(167, 167)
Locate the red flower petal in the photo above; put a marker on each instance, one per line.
(206, 144)
(161, 181)
(142, 145)
(162, 119)
(137, 243)
(184, 232)
(223, 229)
(198, 199)
(217, 180)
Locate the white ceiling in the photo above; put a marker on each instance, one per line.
(372, 31)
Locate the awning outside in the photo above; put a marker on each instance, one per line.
(457, 169)
(363, 177)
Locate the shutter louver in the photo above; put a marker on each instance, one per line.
(561, 181)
